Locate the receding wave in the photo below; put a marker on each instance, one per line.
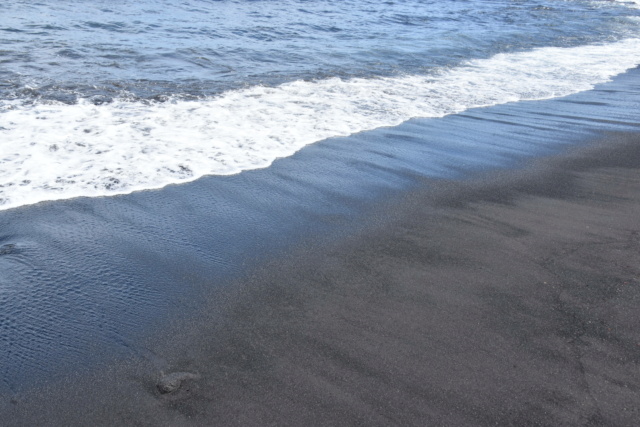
(56, 151)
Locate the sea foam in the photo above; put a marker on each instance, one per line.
(55, 151)
(630, 3)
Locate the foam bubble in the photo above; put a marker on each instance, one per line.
(55, 151)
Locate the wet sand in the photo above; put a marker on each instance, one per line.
(509, 299)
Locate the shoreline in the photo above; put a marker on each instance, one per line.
(507, 299)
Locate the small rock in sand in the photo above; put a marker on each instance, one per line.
(171, 382)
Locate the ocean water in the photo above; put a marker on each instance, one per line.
(99, 99)
(281, 120)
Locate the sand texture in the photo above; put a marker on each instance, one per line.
(510, 299)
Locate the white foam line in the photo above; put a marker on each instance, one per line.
(56, 151)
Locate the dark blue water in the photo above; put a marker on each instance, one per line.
(66, 49)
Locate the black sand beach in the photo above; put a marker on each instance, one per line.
(477, 269)
(508, 299)
(320, 213)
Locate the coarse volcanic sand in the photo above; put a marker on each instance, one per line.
(510, 299)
